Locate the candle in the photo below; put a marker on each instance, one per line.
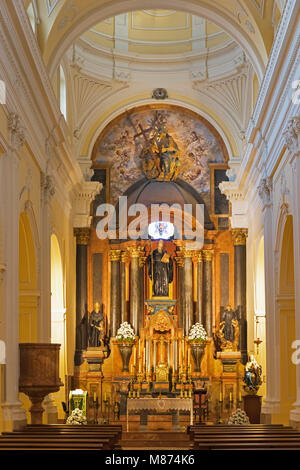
(134, 356)
(105, 396)
(94, 396)
(240, 396)
(230, 396)
(221, 396)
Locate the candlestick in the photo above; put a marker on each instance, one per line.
(134, 356)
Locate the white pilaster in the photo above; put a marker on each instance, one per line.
(13, 415)
(44, 326)
(121, 32)
(292, 136)
(272, 401)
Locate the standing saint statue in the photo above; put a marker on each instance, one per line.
(96, 327)
(160, 270)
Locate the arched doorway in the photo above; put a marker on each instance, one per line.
(286, 306)
(58, 311)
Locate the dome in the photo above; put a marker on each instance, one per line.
(149, 192)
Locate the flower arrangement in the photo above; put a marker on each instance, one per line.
(125, 333)
(77, 417)
(239, 417)
(197, 334)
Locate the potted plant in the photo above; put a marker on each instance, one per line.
(197, 339)
(125, 338)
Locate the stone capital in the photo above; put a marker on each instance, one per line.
(239, 236)
(82, 235)
(114, 255)
(292, 135)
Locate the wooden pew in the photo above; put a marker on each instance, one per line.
(240, 437)
(66, 437)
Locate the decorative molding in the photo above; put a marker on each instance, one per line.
(47, 188)
(51, 4)
(16, 131)
(239, 205)
(265, 191)
(292, 135)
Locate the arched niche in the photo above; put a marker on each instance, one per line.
(286, 317)
(58, 316)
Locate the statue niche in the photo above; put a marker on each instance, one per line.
(160, 270)
(227, 338)
(96, 327)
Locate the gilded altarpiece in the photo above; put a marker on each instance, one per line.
(205, 283)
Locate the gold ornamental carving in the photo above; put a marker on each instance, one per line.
(199, 257)
(239, 236)
(207, 255)
(82, 235)
(124, 256)
(180, 261)
(114, 255)
(135, 251)
(142, 261)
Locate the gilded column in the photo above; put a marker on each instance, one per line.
(207, 291)
(115, 297)
(188, 290)
(134, 287)
(199, 259)
(123, 309)
(239, 236)
(82, 239)
(180, 282)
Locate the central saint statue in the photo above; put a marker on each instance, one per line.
(160, 270)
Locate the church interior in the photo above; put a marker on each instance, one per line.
(149, 224)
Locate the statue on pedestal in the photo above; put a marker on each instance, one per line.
(96, 327)
(160, 270)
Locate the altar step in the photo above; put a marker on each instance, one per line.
(157, 440)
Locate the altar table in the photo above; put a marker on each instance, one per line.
(160, 405)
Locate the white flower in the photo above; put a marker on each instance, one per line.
(239, 417)
(77, 417)
(197, 333)
(125, 332)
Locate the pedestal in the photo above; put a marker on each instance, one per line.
(252, 407)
